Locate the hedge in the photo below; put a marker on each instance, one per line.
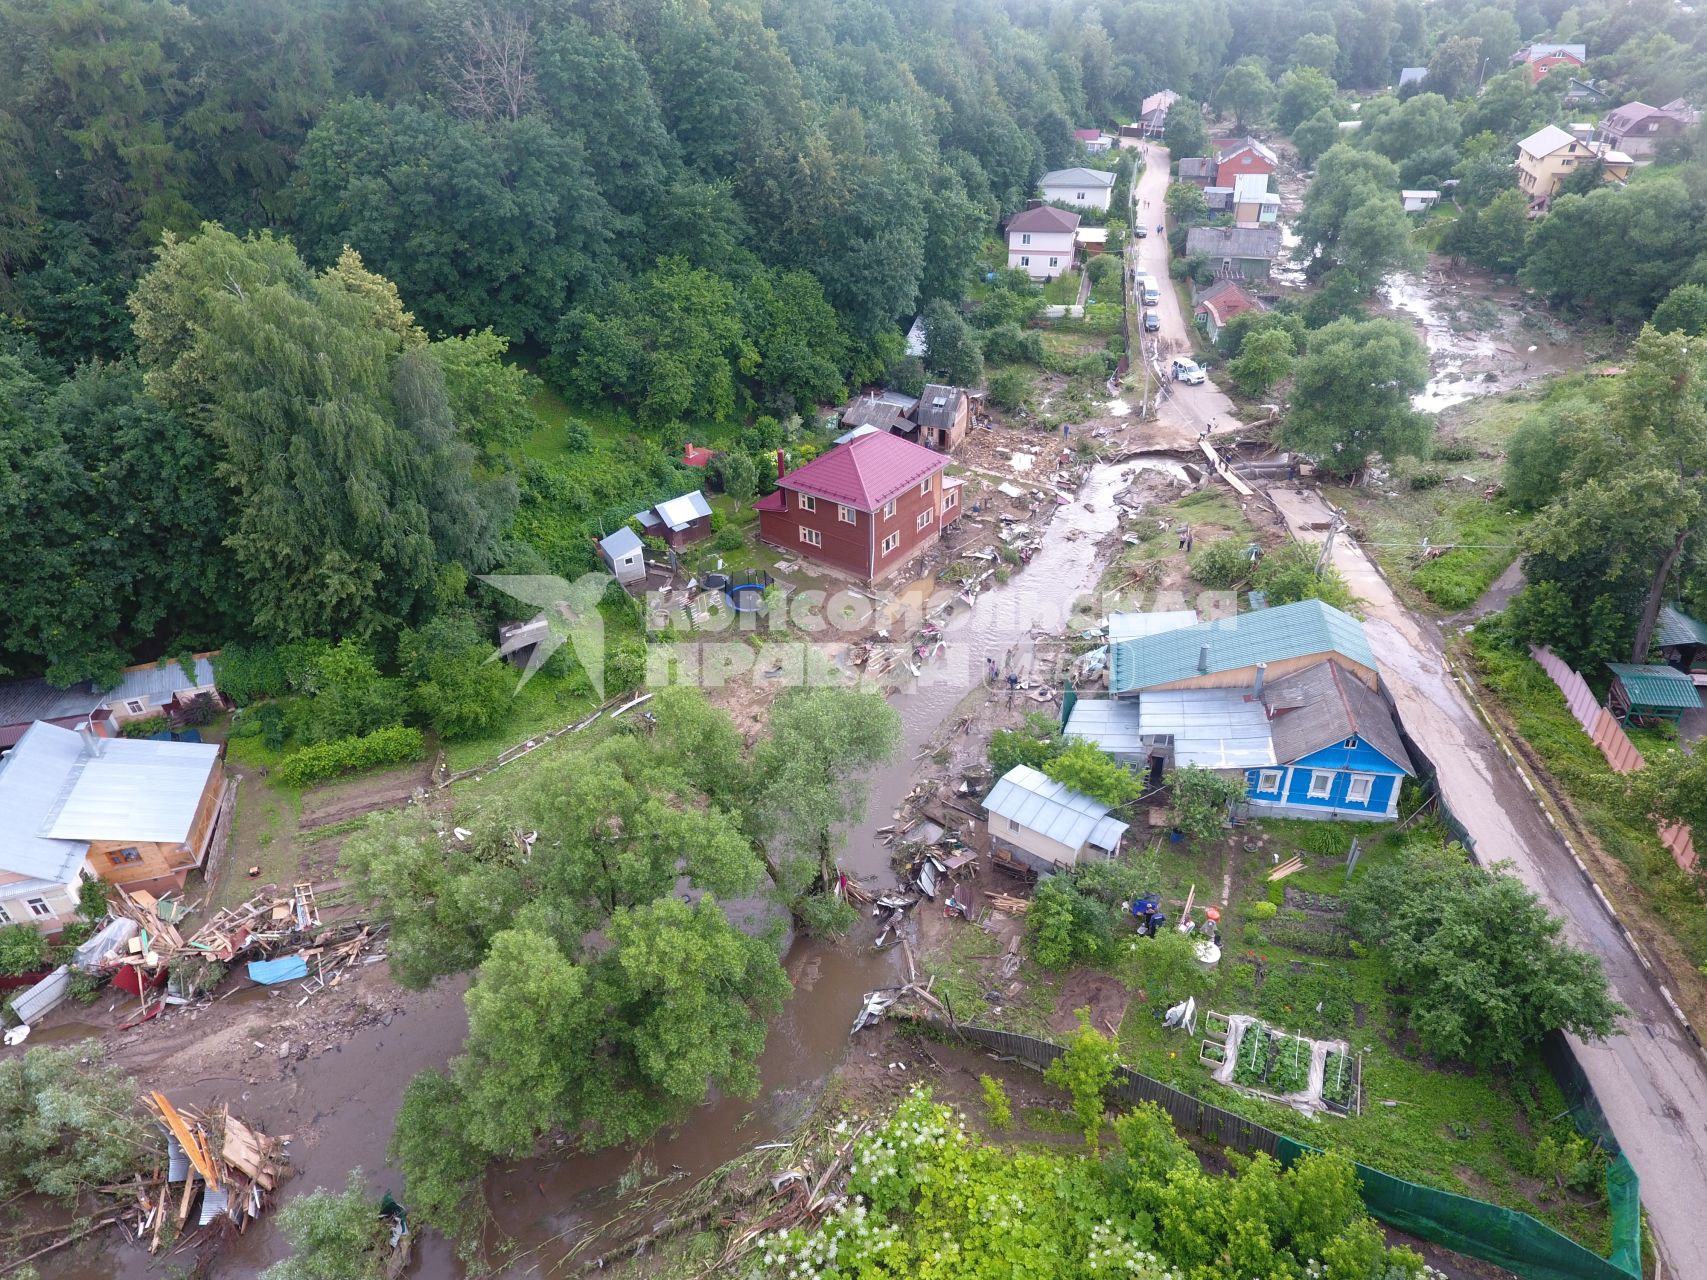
(396, 745)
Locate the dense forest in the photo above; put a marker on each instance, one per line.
(270, 272)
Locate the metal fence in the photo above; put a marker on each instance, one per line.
(1514, 1240)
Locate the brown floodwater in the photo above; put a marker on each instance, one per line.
(341, 1104)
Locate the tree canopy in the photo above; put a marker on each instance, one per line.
(1351, 395)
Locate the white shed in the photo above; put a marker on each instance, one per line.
(625, 555)
(1045, 825)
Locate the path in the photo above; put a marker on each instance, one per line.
(1186, 410)
(1650, 1079)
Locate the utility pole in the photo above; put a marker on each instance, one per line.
(1328, 546)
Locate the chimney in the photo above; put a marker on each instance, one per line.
(1203, 657)
(1256, 691)
(93, 744)
(781, 464)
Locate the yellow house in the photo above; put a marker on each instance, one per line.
(1546, 158)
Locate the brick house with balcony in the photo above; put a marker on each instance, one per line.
(865, 508)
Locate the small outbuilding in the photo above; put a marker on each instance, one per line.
(623, 552)
(679, 520)
(1650, 692)
(1042, 825)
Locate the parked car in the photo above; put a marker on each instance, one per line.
(1140, 232)
(1186, 371)
(1152, 322)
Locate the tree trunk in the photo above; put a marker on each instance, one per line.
(1656, 594)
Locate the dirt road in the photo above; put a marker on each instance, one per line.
(1185, 411)
(1651, 1079)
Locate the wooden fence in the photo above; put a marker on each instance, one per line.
(1606, 733)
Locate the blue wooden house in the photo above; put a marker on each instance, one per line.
(1337, 751)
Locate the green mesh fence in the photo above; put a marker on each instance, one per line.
(1523, 1245)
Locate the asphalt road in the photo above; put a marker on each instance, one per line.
(1651, 1079)
(1184, 411)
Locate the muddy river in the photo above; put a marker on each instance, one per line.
(344, 1102)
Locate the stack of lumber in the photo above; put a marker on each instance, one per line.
(1294, 863)
(1008, 903)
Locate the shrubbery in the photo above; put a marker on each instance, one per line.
(396, 745)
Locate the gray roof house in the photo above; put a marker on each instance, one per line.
(1411, 75)
(1241, 251)
(147, 689)
(1044, 825)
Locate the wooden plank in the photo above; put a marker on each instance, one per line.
(181, 1132)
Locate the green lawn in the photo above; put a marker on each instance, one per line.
(1063, 290)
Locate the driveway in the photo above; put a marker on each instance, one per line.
(1650, 1079)
(1185, 411)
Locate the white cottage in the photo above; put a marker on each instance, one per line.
(1086, 188)
(1041, 241)
(1044, 825)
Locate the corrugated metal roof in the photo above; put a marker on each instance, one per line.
(1110, 724)
(1214, 728)
(1321, 705)
(1545, 141)
(1052, 808)
(24, 701)
(865, 473)
(133, 789)
(679, 513)
(1656, 686)
(1267, 635)
(1675, 627)
(1130, 626)
(1077, 177)
(624, 542)
(160, 681)
(32, 778)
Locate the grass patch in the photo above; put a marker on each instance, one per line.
(1664, 893)
(1063, 290)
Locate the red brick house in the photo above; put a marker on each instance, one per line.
(866, 507)
(1241, 158)
(1544, 58)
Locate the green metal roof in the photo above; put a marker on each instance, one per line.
(1659, 687)
(1675, 627)
(1266, 635)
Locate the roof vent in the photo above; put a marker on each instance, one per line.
(1203, 657)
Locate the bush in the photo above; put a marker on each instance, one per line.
(1263, 910)
(1222, 565)
(1009, 344)
(1009, 388)
(1428, 478)
(23, 949)
(1455, 451)
(146, 727)
(728, 538)
(996, 1102)
(396, 745)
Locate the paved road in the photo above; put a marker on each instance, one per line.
(1650, 1079)
(1185, 411)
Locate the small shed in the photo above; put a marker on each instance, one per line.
(1041, 825)
(1682, 640)
(1651, 692)
(678, 521)
(625, 555)
(1418, 201)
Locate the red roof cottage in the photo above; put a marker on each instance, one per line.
(866, 507)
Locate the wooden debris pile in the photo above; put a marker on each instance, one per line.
(215, 1161)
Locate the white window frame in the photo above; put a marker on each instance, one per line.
(1323, 778)
(1081, 197)
(889, 544)
(925, 487)
(1360, 788)
(811, 537)
(808, 502)
(39, 908)
(135, 706)
(5, 915)
(1054, 262)
(1025, 237)
(950, 499)
(1268, 780)
(924, 519)
(1012, 825)
(1024, 261)
(889, 509)
(845, 514)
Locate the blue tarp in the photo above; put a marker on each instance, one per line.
(284, 969)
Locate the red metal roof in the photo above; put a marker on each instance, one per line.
(867, 472)
(696, 455)
(772, 501)
(1087, 135)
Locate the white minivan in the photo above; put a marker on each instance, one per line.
(1186, 371)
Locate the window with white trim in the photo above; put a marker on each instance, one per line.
(1024, 261)
(923, 520)
(1081, 197)
(891, 542)
(135, 706)
(950, 499)
(808, 502)
(1361, 785)
(811, 537)
(1012, 825)
(5, 915)
(1054, 262)
(845, 513)
(38, 907)
(925, 487)
(1268, 780)
(1321, 783)
(889, 508)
